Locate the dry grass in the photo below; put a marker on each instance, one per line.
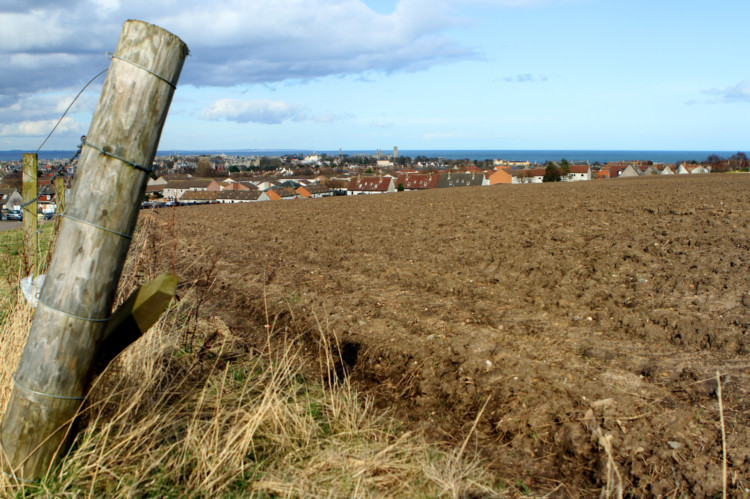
(189, 410)
(13, 334)
(15, 314)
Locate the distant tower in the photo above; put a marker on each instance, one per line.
(395, 152)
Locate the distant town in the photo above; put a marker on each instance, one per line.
(220, 178)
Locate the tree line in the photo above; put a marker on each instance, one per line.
(736, 162)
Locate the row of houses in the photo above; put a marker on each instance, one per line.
(198, 191)
(11, 199)
(188, 190)
(636, 170)
(249, 196)
(411, 181)
(577, 173)
(201, 191)
(505, 175)
(195, 191)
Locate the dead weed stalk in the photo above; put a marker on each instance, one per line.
(613, 486)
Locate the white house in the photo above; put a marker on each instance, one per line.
(699, 169)
(578, 173)
(630, 171)
(528, 176)
(10, 199)
(667, 170)
(371, 185)
(228, 197)
(176, 188)
(313, 159)
(266, 184)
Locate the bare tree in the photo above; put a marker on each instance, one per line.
(335, 183)
(205, 167)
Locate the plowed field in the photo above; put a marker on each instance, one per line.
(589, 320)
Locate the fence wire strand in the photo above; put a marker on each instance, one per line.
(69, 106)
(49, 188)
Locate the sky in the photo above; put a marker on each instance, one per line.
(417, 74)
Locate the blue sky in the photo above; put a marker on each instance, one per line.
(418, 74)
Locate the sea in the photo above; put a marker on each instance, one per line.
(539, 156)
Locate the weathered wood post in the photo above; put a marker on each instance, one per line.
(60, 195)
(59, 201)
(29, 189)
(76, 299)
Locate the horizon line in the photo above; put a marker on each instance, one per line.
(313, 149)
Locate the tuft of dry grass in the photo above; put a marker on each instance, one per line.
(15, 314)
(190, 410)
(13, 333)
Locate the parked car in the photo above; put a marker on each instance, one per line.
(49, 215)
(13, 215)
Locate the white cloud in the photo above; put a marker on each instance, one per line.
(737, 93)
(106, 6)
(519, 3)
(265, 112)
(525, 78)
(9, 6)
(61, 44)
(287, 39)
(43, 106)
(50, 48)
(39, 128)
(253, 111)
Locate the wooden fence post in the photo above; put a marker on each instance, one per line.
(76, 299)
(59, 195)
(30, 222)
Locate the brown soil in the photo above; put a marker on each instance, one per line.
(563, 308)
